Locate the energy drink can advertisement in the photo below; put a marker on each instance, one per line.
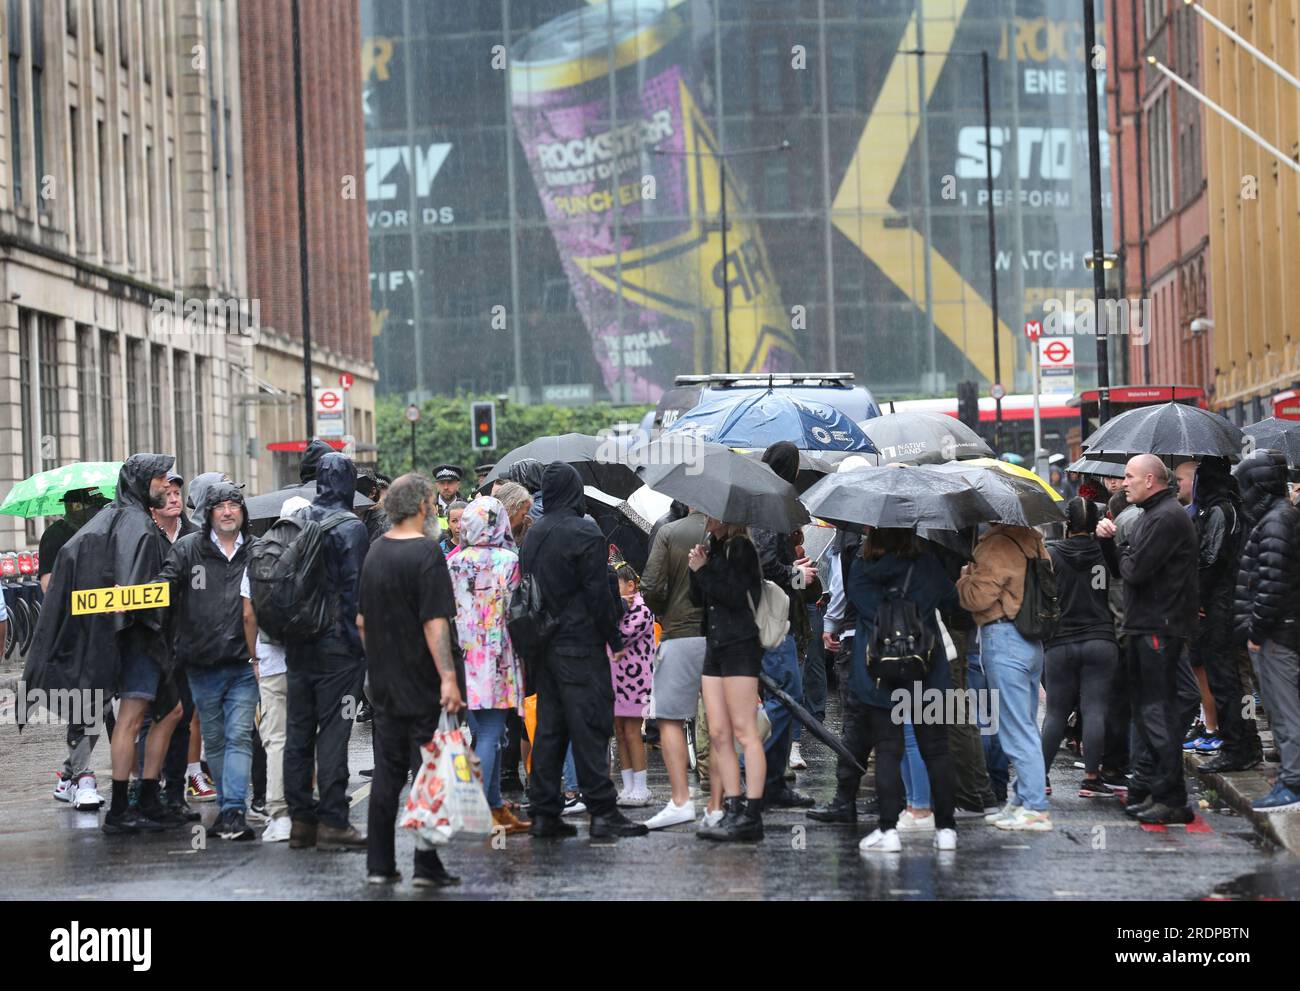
(631, 186)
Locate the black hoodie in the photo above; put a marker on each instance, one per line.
(1268, 582)
(207, 613)
(311, 458)
(568, 555)
(121, 545)
(1221, 530)
(1082, 578)
(345, 545)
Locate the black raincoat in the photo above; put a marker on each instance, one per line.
(121, 546)
(345, 545)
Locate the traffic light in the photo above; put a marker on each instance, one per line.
(483, 418)
(968, 404)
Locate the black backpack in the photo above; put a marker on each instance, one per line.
(529, 624)
(286, 575)
(1040, 610)
(898, 652)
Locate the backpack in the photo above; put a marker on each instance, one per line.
(898, 652)
(529, 624)
(1040, 610)
(286, 575)
(771, 615)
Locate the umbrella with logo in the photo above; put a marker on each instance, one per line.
(601, 461)
(924, 438)
(1167, 430)
(42, 494)
(756, 421)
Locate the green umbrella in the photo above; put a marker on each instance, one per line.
(42, 494)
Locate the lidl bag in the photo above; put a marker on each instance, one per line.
(447, 802)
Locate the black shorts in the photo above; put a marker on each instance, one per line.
(736, 660)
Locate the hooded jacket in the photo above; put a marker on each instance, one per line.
(1220, 531)
(198, 500)
(1158, 565)
(1268, 582)
(568, 555)
(206, 617)
(121, 545)
(345, 545)
(1085, 610)
(311, 459)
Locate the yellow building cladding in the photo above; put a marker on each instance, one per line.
(1254, 201)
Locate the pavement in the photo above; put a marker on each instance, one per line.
(49, 851)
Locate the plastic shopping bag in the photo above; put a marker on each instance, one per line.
(530, 727)
(447, 802)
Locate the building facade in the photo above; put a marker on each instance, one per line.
(337, 262)
(1161, 222)
(125, 319)
(546, 179)
(1254, 207)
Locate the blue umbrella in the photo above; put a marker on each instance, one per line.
(759, 420)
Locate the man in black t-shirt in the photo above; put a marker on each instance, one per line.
(406, 621)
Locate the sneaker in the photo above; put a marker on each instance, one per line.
(1095, 788)
(1006, 812)
(960, 813)
(634, 799)
(1209, 744)
(796, 758)
(233, 826)
(257, 810)
(377, 879)
(1194, 735)
(130, 821)
(1116, 782)
(711, 819)
(199, 789)
(573, 805)
(945, 839)
(277, 830)
(881, 841)
(1280, 799)
(1026, 821)
(64, 788)
(672, 815)
(85, 794)
(908, 823)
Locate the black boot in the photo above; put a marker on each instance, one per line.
(615, 823)
(841, 808)
(733, 809)
(151, 806)
(748, 827)
(551, 827)
(1136, 808)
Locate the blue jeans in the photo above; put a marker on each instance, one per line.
(489, 729)
(916, 779)
(781, 664)
(995, 760)
(1014, 667)
(570, 771)
(226, 696)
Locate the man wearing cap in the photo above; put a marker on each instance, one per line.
(481, 472)
(448, 479)
(168, 510)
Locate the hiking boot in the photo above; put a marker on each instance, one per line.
(334, 838)
(302, 835)
(615, 823)
(746, 827)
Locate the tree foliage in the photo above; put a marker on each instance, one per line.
(443, 433)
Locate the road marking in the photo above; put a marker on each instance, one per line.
(177, 853)
(359, 794)
(1025, 847)
(904, 891)
(1068, 894)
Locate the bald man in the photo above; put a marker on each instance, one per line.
(1158, 566)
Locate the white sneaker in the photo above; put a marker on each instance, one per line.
(672, 815)
(574, 806)
(908, 823)
(64, 788)
(85, 794)
(796, 758)
(945, 839)
(711, 819)
(881, 842)
(1008, 810)
(1027, 821)
(278, 830)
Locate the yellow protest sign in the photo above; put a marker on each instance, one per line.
(119, 598)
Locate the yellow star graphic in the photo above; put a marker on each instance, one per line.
(675, 275)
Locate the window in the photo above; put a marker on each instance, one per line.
(1158, 157)
(214, 135)
(183, 405)
(36, 23)
(51, 422)
(101, 176)
(25, 378)
(15, 103)
(147, 203)
(200, 411)
(88, 393)
(107, 387)
(135, 400)
(173, 206)
(157, 367)
(127, 190)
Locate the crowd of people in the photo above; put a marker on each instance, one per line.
(245, 689)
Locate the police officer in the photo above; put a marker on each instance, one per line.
(481, 472)
(448, 479)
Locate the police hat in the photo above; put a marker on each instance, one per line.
(485, 469)
(448, 473)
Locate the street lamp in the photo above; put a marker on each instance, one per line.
(722, 157)
(983, 56)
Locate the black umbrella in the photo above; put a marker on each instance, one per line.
(622, 526)
(814, 725)
(717, 481)
(1090, 466)
(267, 507)
(924, 438)
(1018, 501)
(1168, 430)
(1276, 435)
(813, 465)
(898, 497)
(601, 461)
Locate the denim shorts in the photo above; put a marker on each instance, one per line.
(139, 676)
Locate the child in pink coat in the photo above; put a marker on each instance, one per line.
(631, 670)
